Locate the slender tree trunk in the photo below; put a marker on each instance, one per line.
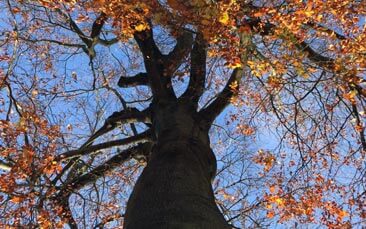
(174, 190)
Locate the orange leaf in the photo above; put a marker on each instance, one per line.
(16, 199)
(272, 189)
(270, 214)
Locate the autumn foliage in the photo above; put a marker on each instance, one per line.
(291, 146)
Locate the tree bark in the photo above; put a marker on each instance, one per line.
(174, 191)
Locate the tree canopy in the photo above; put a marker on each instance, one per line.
(282, 85)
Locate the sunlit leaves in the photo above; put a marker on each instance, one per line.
(224, 18)
(140, 27)
(266, 159)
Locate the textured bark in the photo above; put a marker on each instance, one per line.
(174, 190)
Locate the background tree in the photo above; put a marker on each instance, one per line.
(94, 92)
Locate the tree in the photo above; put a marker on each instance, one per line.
(291, 70)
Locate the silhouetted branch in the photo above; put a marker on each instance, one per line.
(98, 25)
(108, 42)
(78, 31)
(130, 115)
(115, 161)
(223, 98)
(326, 62)
(91, 41)
(153, 60)
(53, 41)
(137, 80)
(142, 137)
(198, 70)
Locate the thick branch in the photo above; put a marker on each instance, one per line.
(131, 115)
(115, 161)
(198, 70)
(98, 25)
(329, 64)
(152, 57)
(137, 80)
(142, 137)
(223, 98)
(77, 30)
(147, 45)
(153, 60)
(174, 59)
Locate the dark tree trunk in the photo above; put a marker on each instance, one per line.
(174, 190)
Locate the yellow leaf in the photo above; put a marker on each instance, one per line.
(234, 65)
(140, 27)
(234, 86)
(309, 13)
(224, 18)
(279, 201)
(251, 64)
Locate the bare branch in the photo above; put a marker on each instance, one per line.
(323, 28)
(108, 42)
(131, 115)
(91, 41)
(153, 60)
(137, 80)
(326, 62)
(142, 137)
(77, 30)
(223, 98)
(115, 161)
(323, 61)
(107, 220)
(198, 70)
(53, 41)
(267, 28)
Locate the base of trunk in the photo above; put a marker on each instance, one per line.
(174, 191)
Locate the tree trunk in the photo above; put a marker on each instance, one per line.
(174, 190)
